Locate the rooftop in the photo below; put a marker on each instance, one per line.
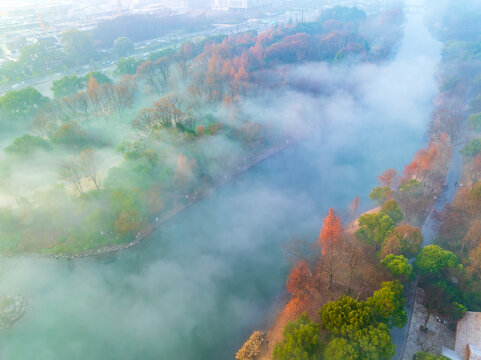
(468, 336)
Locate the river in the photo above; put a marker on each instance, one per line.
(207, 278)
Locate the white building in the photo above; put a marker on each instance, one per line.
(237, 5)
(468, 338)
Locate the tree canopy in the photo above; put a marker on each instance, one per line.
(79, 47)
(22, 103)
(391, 208)
(398, 265)
(68, 86)
(433, 259)
(373, 228)
(123, 46)
(387, 304)
(300, 341)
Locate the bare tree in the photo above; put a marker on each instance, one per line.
(71, 171)
(296, 250)
(89, 166)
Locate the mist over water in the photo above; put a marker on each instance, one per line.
(206, 279)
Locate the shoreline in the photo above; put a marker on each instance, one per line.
(147, 231)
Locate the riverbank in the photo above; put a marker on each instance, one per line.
(143, 234)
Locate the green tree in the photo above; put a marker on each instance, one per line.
(373, 228)
(372, 342)
(22, 103)
(68, 86)
(433, 259)
(427, 356)
(100, 77)
(341, 349)
(437, 267)
(345, 316)
(123, 46)
(12, 71)
(472, 148)
(474, 121)
(380, 194)
(387, 304)
(127, 66)
(399, 266)
(27, 144)
(79, 47)
(300, 341)
(34, 57)
(391, 208)
(403, 239)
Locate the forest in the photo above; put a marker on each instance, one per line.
(349, 289)
(107, 160)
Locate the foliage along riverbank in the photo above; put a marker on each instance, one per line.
(109, 160)
(347, 291)
(144, 233)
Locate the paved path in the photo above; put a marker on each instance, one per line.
(428, 230)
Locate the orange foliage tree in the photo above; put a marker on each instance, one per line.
(387, 177)
(330, 239)
(298, 280)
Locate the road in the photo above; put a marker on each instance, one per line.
(428, 230)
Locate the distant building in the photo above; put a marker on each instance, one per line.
(238, 5)
(468, 338)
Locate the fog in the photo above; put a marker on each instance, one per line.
(204, 280)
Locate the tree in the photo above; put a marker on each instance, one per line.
(101, 78)
(71, 171)
(68, 86)
(427, 356)
(12, 70)
(22, 103)
(341, 349)
(127, 66)
(330, 240)
(387, 304)
(79, 47)
(354, 207)
(345, 316)
(387, 178)
(391, 208)
(399, 266)
(300, 341)
(26, 145)
(434, 264)
(296, 250)
(474, 268)
(374, 228)
(372, 342)
(34, 57)
(93, 88)
(403, 239)
(432, 259)
(298, 280)
(474, 121)
(123, 46)
(472, 148)
(380, 194)
(252, 347)
(412, 199)
(89, 165)
(357, 334)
